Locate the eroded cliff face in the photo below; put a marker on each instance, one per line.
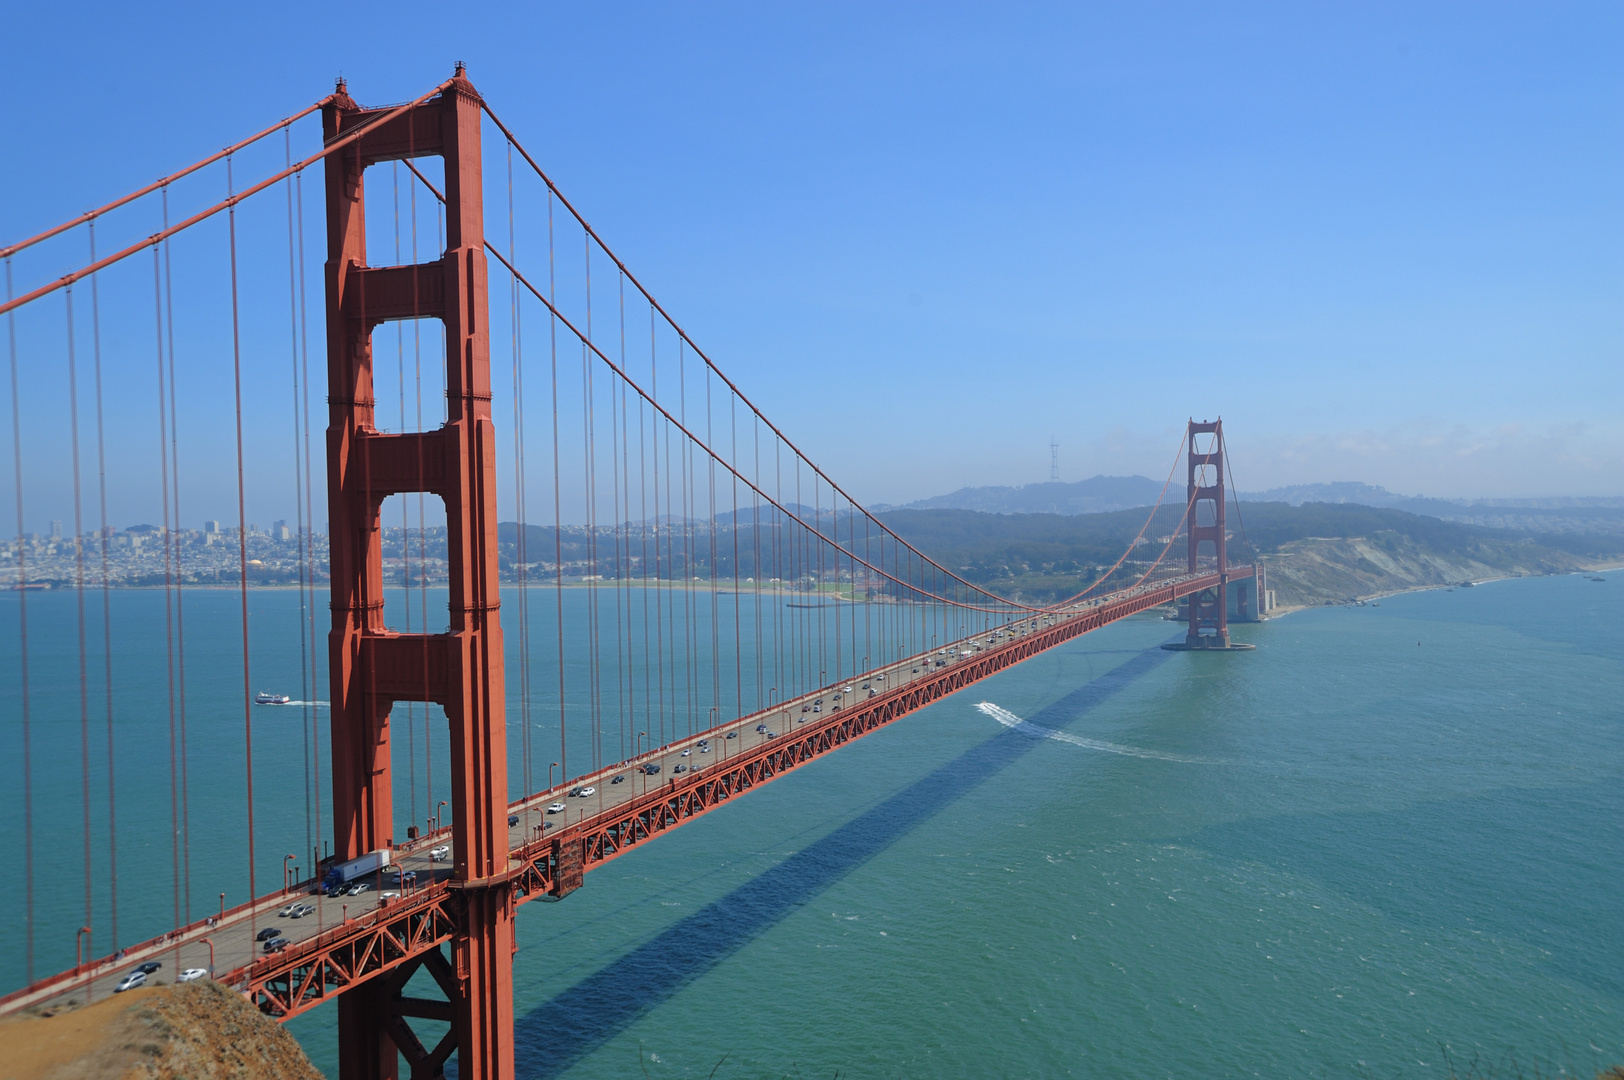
(199, 1031)
(1319, 571)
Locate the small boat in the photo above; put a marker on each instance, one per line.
(262, 698)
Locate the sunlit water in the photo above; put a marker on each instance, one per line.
(1388, 834)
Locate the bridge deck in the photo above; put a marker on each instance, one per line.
(351, 939)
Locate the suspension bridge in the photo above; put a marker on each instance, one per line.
(698, 608)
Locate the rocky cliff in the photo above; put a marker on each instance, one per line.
(1316, 571)
(200, 1031)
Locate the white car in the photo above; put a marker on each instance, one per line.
(557, 808)
(361, 887)
(588, 791)
(131, 981)
(438, 854)
(192, 975)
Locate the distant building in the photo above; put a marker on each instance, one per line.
(211, 527)
(279, 531)
(56, 530)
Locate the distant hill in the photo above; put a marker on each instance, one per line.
(1596, 514)
(1096, 495)
(1321, 552)
(1102, 494)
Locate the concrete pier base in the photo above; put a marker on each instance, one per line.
(1201, 645)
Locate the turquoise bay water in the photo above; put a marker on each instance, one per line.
(1389, 833)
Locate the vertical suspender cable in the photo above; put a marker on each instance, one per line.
(169, 627)
(618, 443)
(686, 463)
(22, 638)
(107, 599)
(309, 539)
(558, 517)
(522, 538)
(306, 691)
(180, 594)
(589, 470)
(242, 541)
(79, 596)
(659, 563)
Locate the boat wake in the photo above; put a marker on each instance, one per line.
(1037, 731)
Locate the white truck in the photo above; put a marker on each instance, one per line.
(345, 872)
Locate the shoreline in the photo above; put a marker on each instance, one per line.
(1598, 568)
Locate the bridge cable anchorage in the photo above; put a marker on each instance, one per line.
(24, 700)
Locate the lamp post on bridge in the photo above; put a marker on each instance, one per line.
(550, 767)
(210, 943)
(78, 946)
(287, 885)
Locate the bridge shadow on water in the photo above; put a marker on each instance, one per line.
(555, 1035)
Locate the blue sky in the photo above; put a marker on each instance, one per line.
(1384, 242)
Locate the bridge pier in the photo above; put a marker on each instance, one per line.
(373, 667)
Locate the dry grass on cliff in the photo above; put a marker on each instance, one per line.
(200, 1031)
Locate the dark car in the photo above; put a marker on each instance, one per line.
(513, 819)
(268, 933)
(574, 791)
(277, 944)
(651, 769)
(733, 734)
(618, 780)
(148, 968)
(680, 768)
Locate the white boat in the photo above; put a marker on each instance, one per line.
(263, 698)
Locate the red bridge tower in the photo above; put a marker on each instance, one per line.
(373, 667)
(1208, 608)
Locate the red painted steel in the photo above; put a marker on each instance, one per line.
(1208, 608)
(373, 667)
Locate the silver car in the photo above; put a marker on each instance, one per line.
(131, 981)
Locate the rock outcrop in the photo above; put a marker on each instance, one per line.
(199, 1031)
